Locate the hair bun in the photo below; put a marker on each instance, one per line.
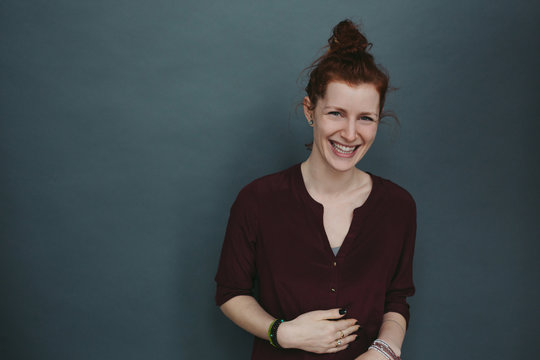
(347, 38)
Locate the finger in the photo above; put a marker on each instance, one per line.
(340, 334)
(348, 339)
(347, 331)
(336, 349)
(331, 314)
(351, 329)
(345, 323)
(341, 342)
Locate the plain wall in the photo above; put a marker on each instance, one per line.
(128, 127)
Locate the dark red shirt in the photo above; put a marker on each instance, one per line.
(276, 235)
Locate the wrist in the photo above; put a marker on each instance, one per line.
(284, 335)
(375, 355)
(394, 347)
(384, 349)
(272, 333)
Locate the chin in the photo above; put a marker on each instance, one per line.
(343, 165)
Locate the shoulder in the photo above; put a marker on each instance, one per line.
(269, 187)
(394, 193)
(271, 184)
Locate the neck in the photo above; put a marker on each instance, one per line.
(327, 181)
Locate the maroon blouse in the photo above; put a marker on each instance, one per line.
(276, 236)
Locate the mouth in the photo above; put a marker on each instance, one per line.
(343, 150)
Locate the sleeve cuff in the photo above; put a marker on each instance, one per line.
(224, 294)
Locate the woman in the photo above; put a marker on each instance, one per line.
(330, 246)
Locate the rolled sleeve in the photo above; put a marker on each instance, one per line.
(402, 285)
(237, 269)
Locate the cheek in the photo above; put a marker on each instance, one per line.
(369, 133)
(327, 127)
(321, 130)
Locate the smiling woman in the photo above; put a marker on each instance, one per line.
(330, 245)
(344, 124)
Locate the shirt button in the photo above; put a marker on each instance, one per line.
(335, 263)
(333, 290)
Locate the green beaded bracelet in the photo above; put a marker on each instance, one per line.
(272, 333)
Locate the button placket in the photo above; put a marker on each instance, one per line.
(334, 270)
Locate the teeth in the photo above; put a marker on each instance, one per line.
(343, 149)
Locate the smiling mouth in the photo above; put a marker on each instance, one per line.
(344, 149)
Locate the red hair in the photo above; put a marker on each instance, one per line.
(348, 60)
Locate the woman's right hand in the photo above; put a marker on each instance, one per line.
(318, 331)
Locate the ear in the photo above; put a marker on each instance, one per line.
(307, 109)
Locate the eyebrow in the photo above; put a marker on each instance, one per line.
(345, 111)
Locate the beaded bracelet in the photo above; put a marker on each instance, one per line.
(272, 333)
(373, 347)
(382, 347)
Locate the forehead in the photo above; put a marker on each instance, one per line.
(361, 97)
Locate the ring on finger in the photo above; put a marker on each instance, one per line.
(342, 334)
(338, 343)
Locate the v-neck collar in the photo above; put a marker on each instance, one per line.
(317, 209)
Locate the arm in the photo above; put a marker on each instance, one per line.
(392, 332)
(314, 331)
(246, 312)
(396, 316)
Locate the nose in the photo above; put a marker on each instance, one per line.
(349, 131)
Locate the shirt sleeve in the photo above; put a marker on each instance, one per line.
(401, 285)
(237, 270)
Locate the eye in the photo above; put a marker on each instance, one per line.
(334, 113)
(367, 118)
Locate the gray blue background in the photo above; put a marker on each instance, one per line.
(128, 127)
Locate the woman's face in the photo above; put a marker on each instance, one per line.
(344, 124)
